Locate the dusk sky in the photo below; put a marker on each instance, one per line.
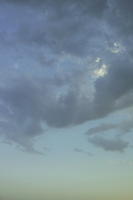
(66, 99)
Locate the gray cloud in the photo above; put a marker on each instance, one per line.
(78, 150)
(115, 144)
(94, 7)
(101, 128)
(121, 11)
(113, 86)
(60, 25)
(122, 127)
(47, 64)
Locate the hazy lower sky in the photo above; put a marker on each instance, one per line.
(66, 99)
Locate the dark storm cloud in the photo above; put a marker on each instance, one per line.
(47, 64)
(117, 83)
(61, 25)
(120, 16)
(95, 7)
(23, 121)
(109, 144)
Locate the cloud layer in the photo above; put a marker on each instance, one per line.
(50, 51)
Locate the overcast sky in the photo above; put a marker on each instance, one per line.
(66, 99)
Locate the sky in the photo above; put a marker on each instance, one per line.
(66, 91)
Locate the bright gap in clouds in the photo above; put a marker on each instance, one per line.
(101, 71)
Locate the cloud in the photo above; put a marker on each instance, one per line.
(121, 11)
(60, 25)
(101, 128)
(124, 126)
(78, 150)
(50, 73)
(109, 144)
